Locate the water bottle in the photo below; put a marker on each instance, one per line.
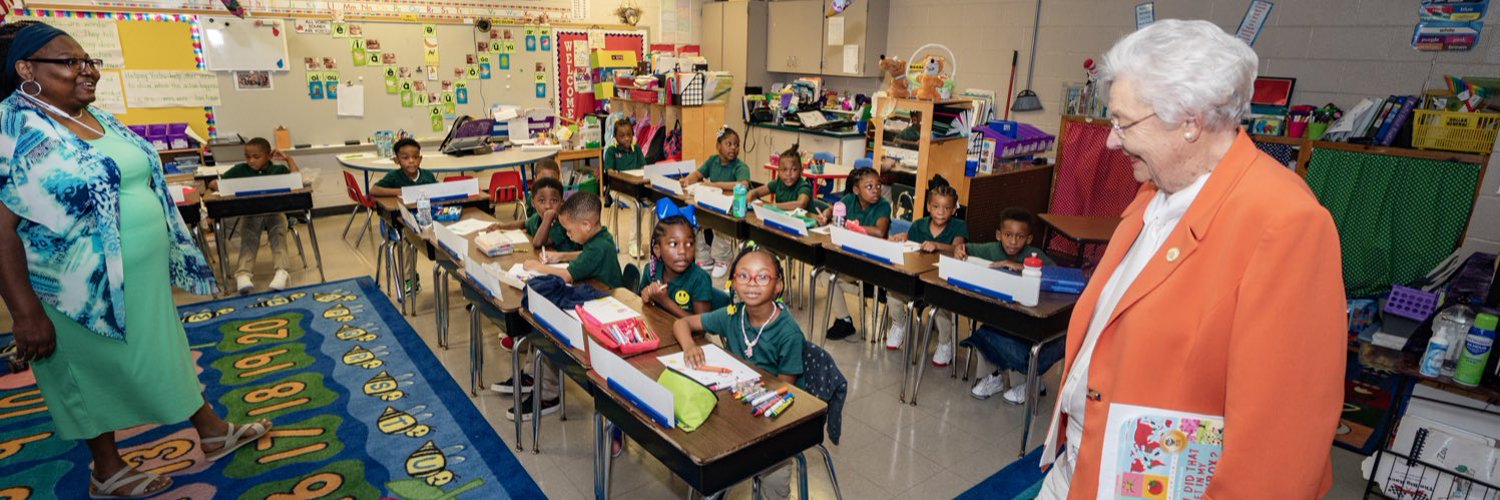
(1031, 267)
(1437, 351)
(838, 214)
(424, 210)
(739, 200)
(1453, 325)
(1476, 350)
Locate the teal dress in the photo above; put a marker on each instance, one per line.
(94, 384)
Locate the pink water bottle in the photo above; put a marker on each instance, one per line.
(838, 214)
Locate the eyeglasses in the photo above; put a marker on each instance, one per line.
(1114, 124)
(72, 62)
(759, 279)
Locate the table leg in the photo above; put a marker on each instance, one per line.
(917, 344)
(801, 475)
(517, 385)
(438, 298)
(1031, 395)
(833, 279)
(864, 317)
(474, 329)
(312, 233)
(600, 453)
(221, 243)
(536, 404)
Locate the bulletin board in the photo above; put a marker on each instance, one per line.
(151, 42)
(317, 121)
(576, 97)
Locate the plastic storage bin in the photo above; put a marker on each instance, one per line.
(1454, 130)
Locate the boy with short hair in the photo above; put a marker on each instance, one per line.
(1012, 245)
(258, 162)
(409, 158)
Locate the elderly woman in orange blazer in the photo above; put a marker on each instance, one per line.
(1221, 291)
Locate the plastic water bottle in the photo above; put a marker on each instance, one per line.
(838, 214)
(1437, 351)
(739, 200)
(1476, 350)
(1453, 325)
(424, 210)
(1031, 267)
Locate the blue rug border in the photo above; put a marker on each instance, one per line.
(999, 485)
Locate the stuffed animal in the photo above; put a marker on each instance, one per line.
(895, 68)
(931, 79)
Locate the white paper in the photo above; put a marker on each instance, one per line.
(288, 182)
(178, 193)
(851, 59)
(835, 30)
(170, 89)
(1145, 14)
(609, 310)
(665, 183)
(441, 190)
(891, 252)
(109, 94)
(596, 39)
(468, 226)
(456, 244)
(655, 397)
(568, 329)
(1023, 290)
(100, 37)
(408, 218)
(780, 220)
(352, 100)
(712, 356)
(314, 26)
(672, 168)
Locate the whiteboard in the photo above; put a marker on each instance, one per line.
(230, 43)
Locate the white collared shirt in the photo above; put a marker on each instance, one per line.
(1161, 217)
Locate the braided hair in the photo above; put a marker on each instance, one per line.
(857, 176)
(659, 232)
(943, 189)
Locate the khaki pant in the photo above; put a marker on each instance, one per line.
(249, 230)
(721, 252)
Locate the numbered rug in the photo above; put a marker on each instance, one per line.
(362, 409)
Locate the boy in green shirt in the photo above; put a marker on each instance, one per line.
(1012, 242)
(542, 225)
(1012, 245)
(409, 157)
(258, 156)
(950, 234)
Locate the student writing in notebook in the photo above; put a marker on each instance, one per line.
(937, 232)
(258, 161)
(409, 158)
(865, 210)
(672, 280)
(723, 170)
(756, 327)
(790, 191)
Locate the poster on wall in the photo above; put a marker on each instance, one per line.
(1145, 14)
(1448, 25)
(252, 80)
(568, 65)
(1255, 19)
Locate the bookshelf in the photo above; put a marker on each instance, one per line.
(935, 156)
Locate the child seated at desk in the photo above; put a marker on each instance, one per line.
(409, 158)
(723, 171)
(1012, 244)
(864, 208)
(672, 280)
(937, 232)
(758, 329)
(258, 156)
(789, 191)
(912, 133)
(598, 260)
(542, 225)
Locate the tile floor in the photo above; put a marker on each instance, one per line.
(938, 449)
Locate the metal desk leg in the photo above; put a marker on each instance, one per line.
(1032, 394)
(474, 329)
(312, 233)
(864, 317)
(929, 327)
(801, 475)
(916, 343)
(833, 279)
(599, 454)
(536, 404)
(221, 242)
(437, 303)
(517, 384)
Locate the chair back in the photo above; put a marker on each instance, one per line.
(356, 194)
(455, 178)
(505, 186)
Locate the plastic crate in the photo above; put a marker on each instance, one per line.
(1454, 130)
(1013, 139)
(1412, 303)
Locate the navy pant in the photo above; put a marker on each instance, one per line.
(1008, 353)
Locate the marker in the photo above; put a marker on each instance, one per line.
(780, 407)
(711, 368)
(760, 410)
(767, 396)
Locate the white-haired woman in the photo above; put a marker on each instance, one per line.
(1220, 293)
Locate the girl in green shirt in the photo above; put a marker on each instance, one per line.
(672, 280)
(757, 328)
(723, 171)
(937, 232)
(789, 191)
(864, 208)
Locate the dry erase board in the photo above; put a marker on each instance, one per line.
(231, 43)
(251, 110)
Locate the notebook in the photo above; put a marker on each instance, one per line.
(713, 356)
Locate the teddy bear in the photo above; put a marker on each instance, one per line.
(930, 80)
(895, 69)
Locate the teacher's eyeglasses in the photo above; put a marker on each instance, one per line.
(72, 62)
(1114, 124)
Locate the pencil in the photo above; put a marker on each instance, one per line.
(712, 368)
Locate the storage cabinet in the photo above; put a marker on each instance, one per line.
(729, 30)
(798, 37)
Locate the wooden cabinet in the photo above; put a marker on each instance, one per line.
(864, 26)
(794, 38)
(730, 31)
(943, 156)
(798, 38)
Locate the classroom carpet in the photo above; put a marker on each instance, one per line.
(1369, 399)
(1020, 480)
(362, 408)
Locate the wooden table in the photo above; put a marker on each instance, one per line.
(1083, 229)
(904, 279)
(731, 446)
(1036, 325)
(297, 201)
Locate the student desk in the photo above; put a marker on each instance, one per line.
(444, 164)
(446, 264)
(297, 201)
(708, 218)
(1037, 326)
(731, 446)
(807, 249)
(633, 184)
(394, 252)
(1083, 229)
(904, 279)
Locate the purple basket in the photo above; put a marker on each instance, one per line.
(1412, 303)
(1013, 139)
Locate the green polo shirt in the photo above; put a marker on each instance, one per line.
(783, 193)
(921, 231)
(716, 171)
(396, 179)
(995, 252)
(865, 216)
(618, 158)
(779, 349)
(557, 235)
(244, 170)
(599, 259)
(691, 286)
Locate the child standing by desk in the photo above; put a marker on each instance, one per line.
(937, 232)
(1012, 244)
(722, 171)
(789, 191)
(409, 158)
(864, 208)
(759, 329)
(258, 156)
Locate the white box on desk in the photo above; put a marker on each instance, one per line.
(714, 199)
(990, 281)
(782, 221)
(569, 329)
(451, 241)
(670, 168)
(246, 186)
(880, 249)
(441, 191)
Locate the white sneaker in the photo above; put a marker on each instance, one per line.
(944, 354)
(1017, 395)
(721, 270)
(896, 335)
(988, 386)
(278, 283)
(243, 283)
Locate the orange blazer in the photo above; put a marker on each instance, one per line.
(1241, 313)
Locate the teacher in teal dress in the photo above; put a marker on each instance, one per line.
(90, 247)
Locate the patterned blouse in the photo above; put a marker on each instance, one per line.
(67, 196)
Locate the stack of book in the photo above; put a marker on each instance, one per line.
(951, 121)
(1375, 122)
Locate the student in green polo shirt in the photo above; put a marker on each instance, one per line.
(723, 171)
(542, 225)
(672, 280)
(623, 155)
(864, 208)
(1012, 242)
(1012, 245)
(789, 191)
(937, 232)
(598, 258)
(258, 162)
(409, 157)
(757, 328)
